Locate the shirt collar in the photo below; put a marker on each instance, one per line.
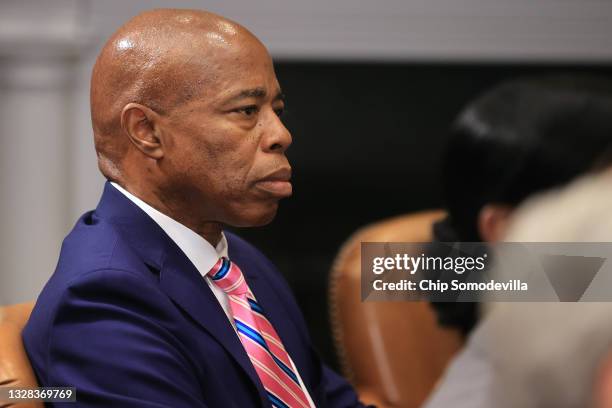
(199, 251)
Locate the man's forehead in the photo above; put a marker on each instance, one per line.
(224, 57)
(239, 76)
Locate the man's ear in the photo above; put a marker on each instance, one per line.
(493, 221)
(140, 124)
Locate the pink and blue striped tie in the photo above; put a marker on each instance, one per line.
(260, 340)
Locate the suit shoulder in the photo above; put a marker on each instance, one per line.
(95, 245)
(89, 251)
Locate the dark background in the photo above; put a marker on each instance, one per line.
(367, 141)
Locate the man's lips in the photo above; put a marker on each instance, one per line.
(277, 183)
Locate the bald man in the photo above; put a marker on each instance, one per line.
(152, 304)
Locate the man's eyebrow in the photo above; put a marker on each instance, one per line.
(258, 92)
(247, 93)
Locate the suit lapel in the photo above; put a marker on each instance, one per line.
(182, 282)
(179, 278)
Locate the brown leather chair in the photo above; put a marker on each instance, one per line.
(392, 352)
(15, 369)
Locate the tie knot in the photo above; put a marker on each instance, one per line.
(228, 276)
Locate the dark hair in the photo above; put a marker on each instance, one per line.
(522, 137)
(519, 138)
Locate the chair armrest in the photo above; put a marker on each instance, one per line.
(15, 369)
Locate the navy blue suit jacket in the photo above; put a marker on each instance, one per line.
(129, 321)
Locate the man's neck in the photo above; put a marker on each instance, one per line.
(209, 230)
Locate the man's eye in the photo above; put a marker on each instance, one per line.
(248, 110)
(279, 112)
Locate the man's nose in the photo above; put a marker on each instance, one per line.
(277, 137)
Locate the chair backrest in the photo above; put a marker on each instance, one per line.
(15, 368)
(392, 352)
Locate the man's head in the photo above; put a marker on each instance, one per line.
(185, 107)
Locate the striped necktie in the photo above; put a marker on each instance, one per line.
(260, 340)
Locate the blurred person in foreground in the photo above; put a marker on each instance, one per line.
(547, 354)
(555, 354)
(152, 304)
(518, 139)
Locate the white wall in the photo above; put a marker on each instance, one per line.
(409, 29)
(48, 174)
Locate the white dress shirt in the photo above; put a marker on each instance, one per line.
(199, 251)
(201, 254)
